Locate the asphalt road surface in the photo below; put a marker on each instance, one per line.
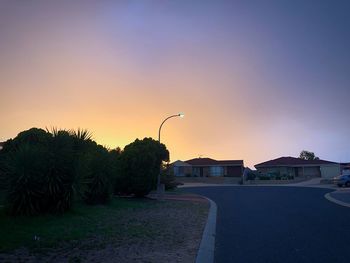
(278, 224)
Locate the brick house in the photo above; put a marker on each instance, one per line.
(296, 167)
(206, 167)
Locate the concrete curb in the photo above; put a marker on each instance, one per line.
(257, 185)
(331, 199)
(207, 246)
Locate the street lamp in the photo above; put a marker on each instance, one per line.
(172, 116)
(181, 115)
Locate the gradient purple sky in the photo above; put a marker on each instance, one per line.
(256, 79)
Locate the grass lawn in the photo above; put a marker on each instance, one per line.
(124, 223)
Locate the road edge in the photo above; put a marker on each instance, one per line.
(332, 199)
(207, 246)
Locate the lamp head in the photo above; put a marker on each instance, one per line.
(181, 115)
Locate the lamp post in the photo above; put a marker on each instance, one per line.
(160, 128)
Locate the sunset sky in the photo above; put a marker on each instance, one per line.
(256, 80)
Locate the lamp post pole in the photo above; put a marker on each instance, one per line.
(160, 168)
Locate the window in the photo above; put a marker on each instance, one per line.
(216, 171)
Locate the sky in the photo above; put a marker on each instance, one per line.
(256, 80)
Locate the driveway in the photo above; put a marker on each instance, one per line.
(278, 224)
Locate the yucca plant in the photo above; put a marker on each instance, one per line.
(25, 171)
(45, 170)
(41, 176)
(61, 177)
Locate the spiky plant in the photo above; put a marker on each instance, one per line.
(40, 177)
(61, 177)
(25, 171)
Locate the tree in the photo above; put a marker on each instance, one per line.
(140, 162)
(306, 155)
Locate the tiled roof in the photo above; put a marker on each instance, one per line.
(180, 163)
(209, 162)
(291, 161)
(230, 162)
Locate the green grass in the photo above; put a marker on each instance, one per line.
(82, 222)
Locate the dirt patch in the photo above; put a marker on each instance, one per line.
(169, 231)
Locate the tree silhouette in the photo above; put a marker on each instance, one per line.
(306, 155)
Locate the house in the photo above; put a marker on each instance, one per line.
(296, 167)
(205, 167)
(181, 168)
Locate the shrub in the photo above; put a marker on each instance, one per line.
(43, 171)
(61, 177)
(99, 181)
(251, 175)
(168, 179)
(39, 173)
(139, 166)
(264, 177)
(25, 172)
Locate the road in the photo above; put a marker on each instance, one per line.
(278, 224)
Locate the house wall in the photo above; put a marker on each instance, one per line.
(182, 170)
(201, 171)
(313, 171)
(291, 171)
(329, 171)
(324, 171)
(233, 171)
(218, 170)
(274, 170)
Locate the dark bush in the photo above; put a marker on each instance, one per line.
(42, 171)
(25, 171)
(139, 166)
(39, 174)
(99, 179)
(168, 179)
(264, 177)
(61, 177)
(251, 175)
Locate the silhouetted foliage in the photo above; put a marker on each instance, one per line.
(25, 171)
(99, 180)
(168, 178)
(306, 155)
(139, 166)
(42, 171)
